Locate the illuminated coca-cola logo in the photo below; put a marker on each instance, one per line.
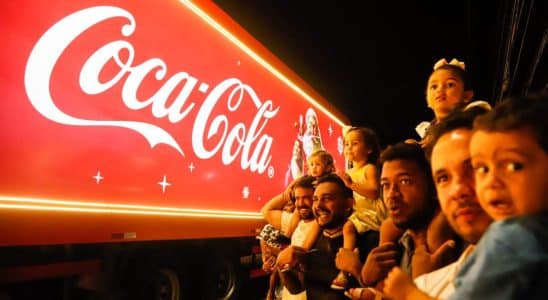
(244, 141)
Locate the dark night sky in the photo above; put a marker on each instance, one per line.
(371, 59)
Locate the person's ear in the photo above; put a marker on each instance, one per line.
(468, 95)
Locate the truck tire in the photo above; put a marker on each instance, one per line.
(223, 279)
(158, 282)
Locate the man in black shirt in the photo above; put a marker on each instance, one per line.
(314, 270)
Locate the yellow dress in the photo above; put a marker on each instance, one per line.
(368, 213)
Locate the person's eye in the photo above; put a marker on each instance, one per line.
(433, 86)
(384, 186)
(441, 179)
(451, 84)
(481, 169)
(405, 181)
(514, 166)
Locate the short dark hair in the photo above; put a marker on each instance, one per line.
(305, 181)
(406, 151)
(455, 120)
(334, 178)
(519, 112)
(412, 152)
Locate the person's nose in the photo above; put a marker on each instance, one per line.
(462, 188)
(392, 191)
(440, 89)
(491, 179)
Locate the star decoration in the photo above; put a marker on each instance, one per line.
(164, 184)
(98, 177)
(245, 192)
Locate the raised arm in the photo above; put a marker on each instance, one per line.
(273, 209)
(370, 188)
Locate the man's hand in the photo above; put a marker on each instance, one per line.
(290, 257)
(349, 261)
(425, 261)
(379, 261)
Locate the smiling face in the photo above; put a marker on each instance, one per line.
(454, 181)
(331, 207)
(303, 202)
(405, 191)
(445, 91)
(510, 171)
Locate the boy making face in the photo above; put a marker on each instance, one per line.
(510, 169)
(509, 151)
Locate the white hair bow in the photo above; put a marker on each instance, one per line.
(455, 62)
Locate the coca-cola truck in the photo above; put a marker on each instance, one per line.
(139, 140)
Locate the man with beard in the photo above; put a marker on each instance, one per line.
(314, 270)
(302, 191)
(409, 195)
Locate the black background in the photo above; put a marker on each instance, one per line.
(371, 59)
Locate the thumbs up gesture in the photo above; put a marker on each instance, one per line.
(425, 260)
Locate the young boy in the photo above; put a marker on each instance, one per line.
(509, 153)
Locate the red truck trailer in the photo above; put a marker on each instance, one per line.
(139, 141)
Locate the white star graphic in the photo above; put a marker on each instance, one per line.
(330, 130)
(164, 184)
(245, 192)
(191, 167)
(98, 177)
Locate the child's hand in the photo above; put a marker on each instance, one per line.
(346, 178)
(269, 264)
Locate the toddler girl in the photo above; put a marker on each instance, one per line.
(361, 149)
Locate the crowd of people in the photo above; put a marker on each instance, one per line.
(461, 213)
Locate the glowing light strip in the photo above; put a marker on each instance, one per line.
(257, 58)
(66, 205)
(121, 211)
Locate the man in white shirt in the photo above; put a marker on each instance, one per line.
(302, 192)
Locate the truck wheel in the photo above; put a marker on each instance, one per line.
(166, 285)
(160, 283)
(223, 279)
